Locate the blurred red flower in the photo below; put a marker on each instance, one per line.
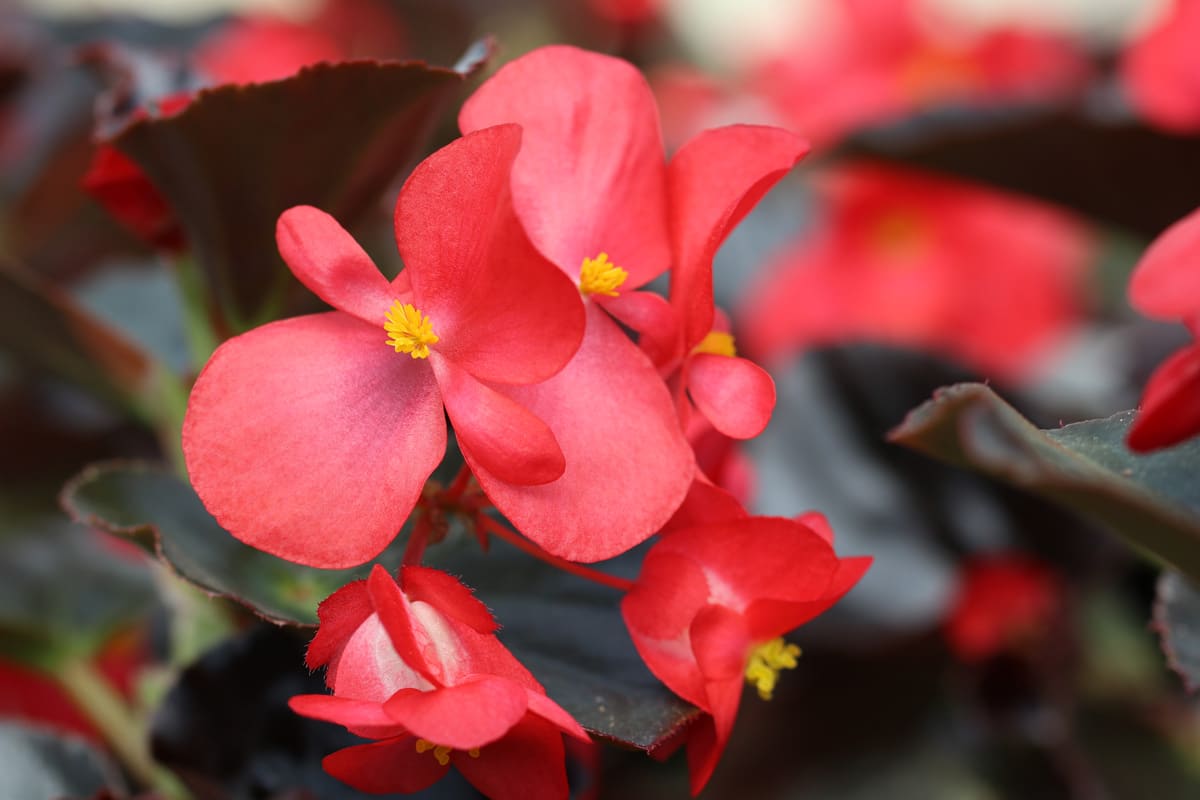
(1003, 601)
(912, 259)
(417, 666)
(1166, 285)
(311, 438)
(1161, 71)
(710, 607)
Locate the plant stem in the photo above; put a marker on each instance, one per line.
(120, 727)
(518, 541)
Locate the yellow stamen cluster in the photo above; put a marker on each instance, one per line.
(718, 343)
(766, 661)
(441, 752)
(600, 276)
(409, 331)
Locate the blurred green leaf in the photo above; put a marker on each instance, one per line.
(1151, 501)
(151, 505)
(1177, 618)
(37, 763)
(63, 592)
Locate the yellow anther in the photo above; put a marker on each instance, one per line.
(766, 661)
(409, 331)
(473, 752)
(440, 752)
(600, 276)
(718, 343)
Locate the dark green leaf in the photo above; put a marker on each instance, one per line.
(150, 504)
(41, 763)
(334, 136)
(63, 593)
(48, 331)
(1177, 618)
(1151, 501)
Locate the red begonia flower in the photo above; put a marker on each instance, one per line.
(592, 188)
(877, 60)
(1003, 601)
(710, 607)
(1166, 285)
(922, 261)
(311, 438)
(417, 666)
(1161, 72)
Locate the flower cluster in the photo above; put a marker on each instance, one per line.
(527, 244)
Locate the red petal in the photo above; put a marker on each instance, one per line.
(708, 743)
(555, 714)
(816, 522)
(393, 765)
(119, 184)
(1166, 282)
(737, 396)
(769, 618)
(364, 716)
(652, 317)
(628, 465)
(527, 764)
(668, 594)
(340, 614)
(721, 643)
(500, 309)
(310, 439)
(396, 616)
(369, 668)
(1170, 409)
(471, 714)
(329, 262)
(758, 557)
(713, 181)
(497, 433)
(447, 594)
(590, 177)
(705, 504)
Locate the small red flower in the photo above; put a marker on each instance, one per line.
(417, 667)
(1161, 71)
(922, 261)
(1003, 602)
(1166, 285)
(311, 438)
(710, 607)
(592, 188)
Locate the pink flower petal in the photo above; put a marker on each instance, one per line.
(652, 317)
(340, 614)
(713, 182)
(590, 176)
(396, 616)
(555, 714)
(1166, 282)
(497, 433)
(393, 765)
(366, 717)
(705, 504)
(310, 439)
(468, 715)
(628, 465)
(1170, 409)
(448, 595)
(768, 618)
(500, 310)
(332, 264)
(737, 396)
(527, 764)
(708, 743)
(721, 643)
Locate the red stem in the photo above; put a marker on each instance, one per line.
(415, 550)
(518, 541)
(459, 485)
